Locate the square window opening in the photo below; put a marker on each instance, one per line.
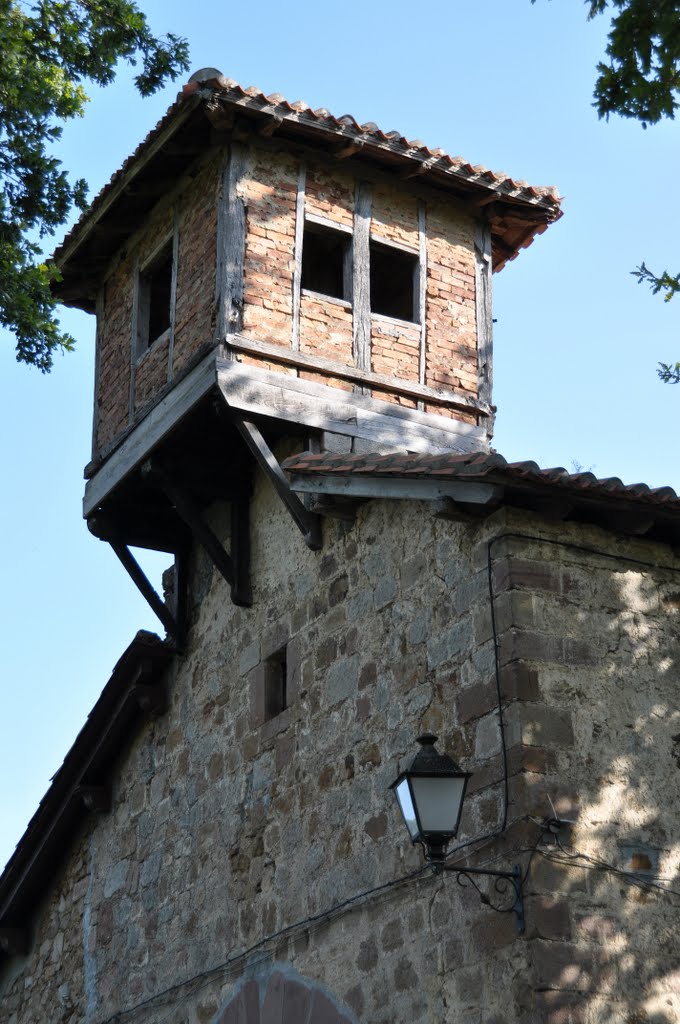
(326, 261)
(393, 278)
(275, 680)
(155, 297)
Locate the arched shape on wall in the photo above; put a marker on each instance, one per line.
(282, 997)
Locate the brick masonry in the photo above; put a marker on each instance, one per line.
(326, 326)
(227, 826)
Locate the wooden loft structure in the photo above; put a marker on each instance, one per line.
(217, 212)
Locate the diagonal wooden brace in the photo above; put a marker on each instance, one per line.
(236, 571)
(139, 578)
(308, 523)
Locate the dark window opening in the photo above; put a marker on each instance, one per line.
(275, 690)
(155, 295)
(393, 276)
(326, 256)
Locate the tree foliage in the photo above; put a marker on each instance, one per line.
(641, 79)
(47, 52)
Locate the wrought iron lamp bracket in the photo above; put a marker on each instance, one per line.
(507, 884)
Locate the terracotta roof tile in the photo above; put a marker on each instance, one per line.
(482, 465)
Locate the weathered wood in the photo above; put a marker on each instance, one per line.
(94, 798)
(333, 506)
(317, 406)
(173, 289)
(138, 577)
(151, 698)
(326, 222)
(398, 385)
(137, 300)
(150, 432)
(307, 522)
(422, 293)
(15, 941)
(349, 148)
(483, 268)
(232, 235)
(365, 486)
(271, 124)
(101, 306)
(361, 277)
(191, 514)
(297, 268)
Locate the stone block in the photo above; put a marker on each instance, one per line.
(548, 918)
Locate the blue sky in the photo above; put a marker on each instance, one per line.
(500, 82)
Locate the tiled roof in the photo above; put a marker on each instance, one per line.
(319, 126)
(486, 466)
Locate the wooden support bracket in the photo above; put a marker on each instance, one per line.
(139, 578)
(95, 798)
(308, 523)
(14, 941)
(235, 568)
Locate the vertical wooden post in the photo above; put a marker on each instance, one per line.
(361, 299)
(134, 342)
(483, 269)
(422, 292)
(232, 238)
(101, 305)
(297, 270)
(173, 289)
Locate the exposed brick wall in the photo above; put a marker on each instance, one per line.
(270, 192)
(394, 217)
(451, 359)
(114, 333)
(195, 303)
(151, 374)
(330, 194)
(326, 328)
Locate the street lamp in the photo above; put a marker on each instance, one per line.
(430, 794)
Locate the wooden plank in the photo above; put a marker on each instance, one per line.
(233, 239)
(483, 268)
(398, 385)
(364, 486)
(173, 289)
(326, 222)
(422, 292)
(297, 268)
(361, 277)
(307, 522)
(387, 426)
(191, 514)
(101, 306)
(150, 432)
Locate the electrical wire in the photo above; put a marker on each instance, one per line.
(274, 937)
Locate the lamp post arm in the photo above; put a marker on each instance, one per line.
(514, 878)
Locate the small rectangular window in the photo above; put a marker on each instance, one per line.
(393, 278)
(275, 689)
(154, 298)
(326, 261)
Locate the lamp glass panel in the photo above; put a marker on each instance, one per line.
(403, 794)
(438, 800)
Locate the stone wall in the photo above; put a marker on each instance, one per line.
(229, 827)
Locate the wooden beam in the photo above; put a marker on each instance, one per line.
(422, 294)
(361, 276)
(335, 368)
(387, 426)
(139, 578)
(15, 941)
(365, 486)
(308, 523)
(334, 507)
(190, 513)
(150, 432)
(94, 798)
(483, 269)
(151, 698)
(231, 234)
(297, 267)
(271, 124)
(348, 148)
